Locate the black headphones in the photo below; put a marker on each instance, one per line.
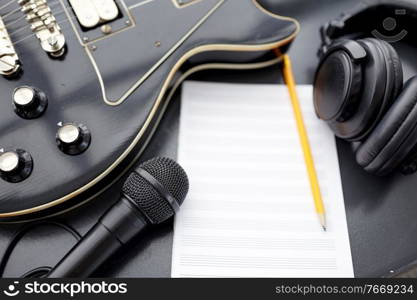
(358, 87)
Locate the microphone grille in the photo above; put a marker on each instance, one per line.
(170, 175)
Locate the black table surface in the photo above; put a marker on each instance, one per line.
(381, 212)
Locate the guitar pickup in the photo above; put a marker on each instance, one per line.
(44, 25)
(91, 13)
(9, 61)
(183, 3)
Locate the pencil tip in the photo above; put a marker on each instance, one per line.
(323, 223)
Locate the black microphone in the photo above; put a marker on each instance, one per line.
(151, 195)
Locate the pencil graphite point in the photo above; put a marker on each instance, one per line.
(323, 223)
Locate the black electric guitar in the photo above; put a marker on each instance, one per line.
(85, 82)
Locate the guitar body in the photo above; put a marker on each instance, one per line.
(116, 80)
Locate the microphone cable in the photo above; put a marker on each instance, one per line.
(17, 237)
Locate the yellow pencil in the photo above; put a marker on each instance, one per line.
(305, 144)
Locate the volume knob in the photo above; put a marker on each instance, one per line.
(15, 165)
(73, 139)
(29, 102)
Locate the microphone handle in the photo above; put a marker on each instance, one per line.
(115, 228)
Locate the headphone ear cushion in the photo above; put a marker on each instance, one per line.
(396, 68)
(394, 137)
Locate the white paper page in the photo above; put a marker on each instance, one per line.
(250, 211)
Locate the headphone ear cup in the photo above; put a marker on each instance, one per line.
(354, 113)
(337, 84)
(395, 136)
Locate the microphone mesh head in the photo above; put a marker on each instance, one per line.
(170, 175)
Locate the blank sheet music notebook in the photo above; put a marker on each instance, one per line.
(250, 210)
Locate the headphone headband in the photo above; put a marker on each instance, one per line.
(361, 21)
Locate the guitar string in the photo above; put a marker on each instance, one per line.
(24, 16)
(15, 21)
(7, 4)
(17, 30)
(11, 13)
(26, 27)
(15, 1)
(63, 25)
(52, 5)
(59, 22)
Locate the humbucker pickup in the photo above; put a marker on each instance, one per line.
(91, 13)
(9, 61)
(183, 3)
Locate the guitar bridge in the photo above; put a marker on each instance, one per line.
(9, 61)
(44, 25)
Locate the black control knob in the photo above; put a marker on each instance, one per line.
(73, 139)
(29, 102)
(15, 165)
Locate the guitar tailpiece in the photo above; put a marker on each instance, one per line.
(44, 25)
